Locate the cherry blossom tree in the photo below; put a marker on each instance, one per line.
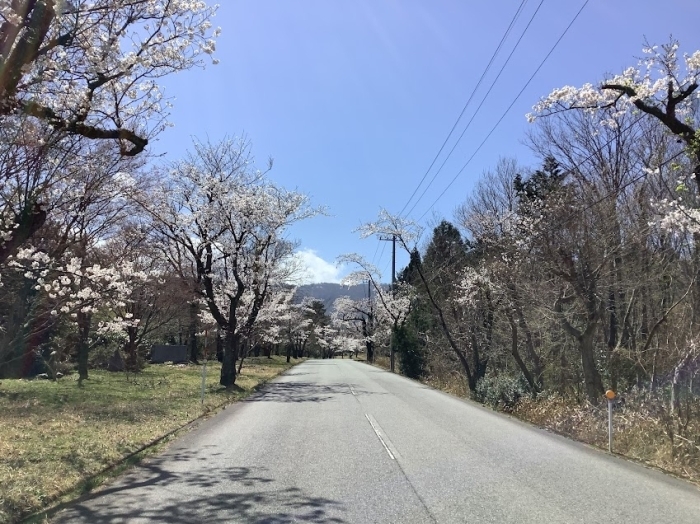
(78, 291)
(87, 204)
(226, 222)
(151, 304)
(77, 71)
(493, 217)
(662, 86)
(91, 67)
(361, 315)
(407, 233)
(393, 303)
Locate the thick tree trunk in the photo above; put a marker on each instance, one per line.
(228, 365)
(30, 220)
(585, 341)
(192, 335)
(370, 351)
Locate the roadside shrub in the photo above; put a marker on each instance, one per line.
(501, 391)
(412, 363)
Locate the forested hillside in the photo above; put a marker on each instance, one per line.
(328, 292)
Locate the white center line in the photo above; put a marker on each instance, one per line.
(378, 431)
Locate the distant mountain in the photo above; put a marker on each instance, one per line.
(327, 292)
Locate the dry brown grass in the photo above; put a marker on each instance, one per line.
(55, 435)
(644, 429)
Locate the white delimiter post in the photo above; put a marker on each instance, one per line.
(610, 395)
(610, 426)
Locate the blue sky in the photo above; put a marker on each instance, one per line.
(353, 98)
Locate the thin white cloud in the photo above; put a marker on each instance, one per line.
(315, 269)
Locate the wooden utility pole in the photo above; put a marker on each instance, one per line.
(393, 292)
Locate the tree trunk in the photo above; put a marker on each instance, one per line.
(538, 370)
(192, 335)
(516, 354)
(678, 372)
(131, 350)
(591, 376)
(228, 365)
(31, 217)
(83, 345)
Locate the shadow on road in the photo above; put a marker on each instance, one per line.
(303, 392)
(206, 492)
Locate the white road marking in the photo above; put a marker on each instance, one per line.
(378, 431)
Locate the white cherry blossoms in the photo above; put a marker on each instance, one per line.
(72, 287)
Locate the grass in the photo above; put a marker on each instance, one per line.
(55, 436)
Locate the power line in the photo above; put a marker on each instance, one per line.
(590, 157)
(488, 92)
(574, 213)
(507, 109)
(483, 75)
(381, 255)
(375, 252)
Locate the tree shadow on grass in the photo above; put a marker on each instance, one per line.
(185, 487)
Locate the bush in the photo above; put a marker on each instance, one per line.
(502, 391)
(412, 362)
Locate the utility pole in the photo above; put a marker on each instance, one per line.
(370, 319)
(393, 291)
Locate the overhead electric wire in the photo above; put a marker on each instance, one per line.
(612, 193)
(381, 255)
(544, 60)
(488, 92)
(375, 251)
(471, 96)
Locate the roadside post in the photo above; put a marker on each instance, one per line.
(610, 395)
(204, 367)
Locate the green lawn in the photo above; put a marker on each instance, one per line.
(54, 435)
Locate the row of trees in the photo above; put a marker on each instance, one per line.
(578, 275)
(100, 246)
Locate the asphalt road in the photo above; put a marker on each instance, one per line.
(340, 441)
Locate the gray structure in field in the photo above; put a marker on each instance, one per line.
(175, 354)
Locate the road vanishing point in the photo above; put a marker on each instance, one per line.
(336, 441)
